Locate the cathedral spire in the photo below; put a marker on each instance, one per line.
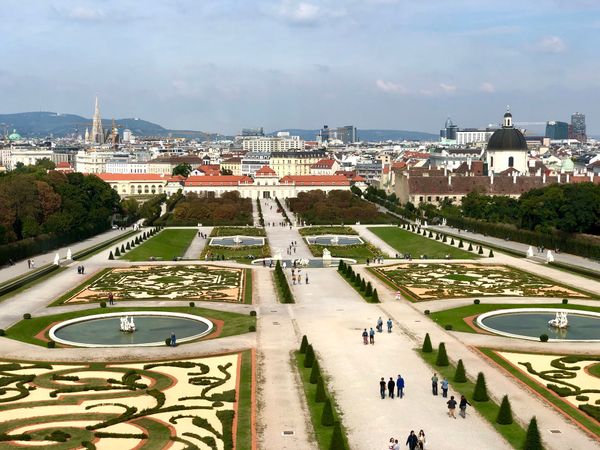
(97, 135)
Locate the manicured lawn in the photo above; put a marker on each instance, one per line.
(168, 244)
(513, 433)
(26, 330)
(406, 242)
(233, 231)
(566, 407)
(358, 252)
(334, 229)
(244, 398)
(455, 316)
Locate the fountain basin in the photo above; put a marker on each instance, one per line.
(237, 241)
(334, 240)
(152, 328)
(310, 263)
(530, 323)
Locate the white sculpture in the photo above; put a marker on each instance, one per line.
(425, 224)
(530, 252)
(326, 254)
(560, 321)
(127, 324)
(444, 222)
(69, 254)
(237, 240)
(334, 240)
(56, 259)
(549, 257)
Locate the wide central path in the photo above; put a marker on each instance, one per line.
(280, 237)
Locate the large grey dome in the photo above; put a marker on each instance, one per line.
(507, 139)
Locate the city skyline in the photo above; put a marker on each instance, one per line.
(222, 66)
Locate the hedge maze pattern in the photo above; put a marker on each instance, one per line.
(208, 283)
(187, 404)
(439, 281)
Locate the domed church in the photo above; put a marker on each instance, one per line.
(506, 148)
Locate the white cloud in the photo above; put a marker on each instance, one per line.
(85, 14)
(550, 44)
(487, 87)
(448, 88)
(390, 87)
(300, 13)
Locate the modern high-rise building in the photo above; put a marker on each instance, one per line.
(253, 131)
(557, 130)
(347, 134)
(578, 127)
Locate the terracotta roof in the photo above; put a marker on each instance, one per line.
(323, 164)
(416, 155)
(130, 176)
(398, 165)
(218, 180)
(316, 180)
(266, 171)
(232, 161)
(63, 165)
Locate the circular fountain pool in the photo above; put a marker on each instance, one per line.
(530, 323)
(152, 328)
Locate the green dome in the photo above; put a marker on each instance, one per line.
(14, 136)
(568, 165)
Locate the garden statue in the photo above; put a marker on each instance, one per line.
(334, 240)
(127, 324)
(56, 259)
(530, 252)
(237, 240)
(549, 257)
(326, 254)
(560, 321)
(69, 254)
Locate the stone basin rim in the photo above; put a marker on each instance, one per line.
(501, 312)
(58, 326)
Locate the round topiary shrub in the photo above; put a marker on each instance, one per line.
(26, 316)
(476, 301)
(102, 304)
(426, 312)
(252, 328)
(448, 327)
(544, 337)
(253, 313)
(168, 342)
(51, 344)
(565, 301)
(582, 398)
(192, 304)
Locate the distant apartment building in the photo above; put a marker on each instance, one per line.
(281, 143)
(578, 127)
(253, 131)
(119, 166)
(556, 130)
(451, 134)
(325, 167)
(251, 162)
(234, 165)
(346, 134)
(370, 171)
(92, 161)
(295, 162)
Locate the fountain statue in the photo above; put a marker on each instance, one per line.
(549, 257)
(127, 324)
(57, 259)
(334, 240)
(69, 254)
(530, 252)
(326, 254)
(560, 321)
(237, 240)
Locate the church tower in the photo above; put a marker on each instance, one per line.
(97, 134)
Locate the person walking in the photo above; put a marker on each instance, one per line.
(463, 406)
(111, 298)
(412, 441)
(389, 325)
(422, 441)
(306, 279)
(396, 445)
(444, 385)
(400, 386)
(372, 336)
(365, 336)
(29, 263)
(391, 387)
(382, 388)
(379, 325)
(451, 407)
(434, 384)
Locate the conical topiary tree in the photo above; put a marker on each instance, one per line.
(442, 356)
(460, 244)
(320, 394)
(128, 247)
(309, 358)
(358, 280)
(363, 285)
(303, 344)
(340, 265)
(480, 392)
(430, 234)
(460, 376)
(337, 438)
(315, 373)
(375, 296)
(327, 418)
(480, 250)
(505, 412)
(110, 255)
(117, 252)
(122, 248)
(470, 247)
(369, 289)
(491, 255)
(533, 440)
(451, 241)
(427, 347)
(133, 244)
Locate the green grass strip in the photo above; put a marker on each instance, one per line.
(357, 289)
(571, 411)
(455, 316)
(248, 286)
(89, 252)
(513, 433)
(244, 418)
(168, 244)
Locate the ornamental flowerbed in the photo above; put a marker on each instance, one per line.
(187, 403)
(423, 281)
(203, 283)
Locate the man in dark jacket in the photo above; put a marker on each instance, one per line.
(382, 388)
(412, 440)
(400, 386)
(391, 387)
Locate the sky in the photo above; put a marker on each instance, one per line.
(220, 65)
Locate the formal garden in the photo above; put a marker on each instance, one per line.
(406, 242)
(569, 382)
(154, 282)
(434, 281)
(233, 249)
(167, 245)
(190, 403)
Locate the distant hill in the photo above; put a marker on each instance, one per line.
(370, 135)
(44, 124)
